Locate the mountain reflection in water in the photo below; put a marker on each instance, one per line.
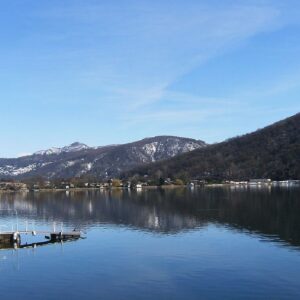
(273, 214)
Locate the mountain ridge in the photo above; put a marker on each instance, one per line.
(79, 159)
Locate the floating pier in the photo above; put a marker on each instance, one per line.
(13, 239)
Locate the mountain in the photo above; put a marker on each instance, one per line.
(74, 147)
(272, 152)
(78, 159)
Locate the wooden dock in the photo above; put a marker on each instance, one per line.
(9, 239)
(12, 239)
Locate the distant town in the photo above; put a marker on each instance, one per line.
(77, 184)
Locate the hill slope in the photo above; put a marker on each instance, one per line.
(271, 152)
(79, 159)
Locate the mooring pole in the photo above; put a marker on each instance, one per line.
(17, 218)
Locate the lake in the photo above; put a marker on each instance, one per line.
(206, 243)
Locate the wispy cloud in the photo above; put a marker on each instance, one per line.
(180, 109)
(137, 50)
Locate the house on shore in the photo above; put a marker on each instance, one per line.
(260, 181)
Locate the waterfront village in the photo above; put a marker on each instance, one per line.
(76, 184)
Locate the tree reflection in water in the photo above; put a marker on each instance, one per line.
(273, 214)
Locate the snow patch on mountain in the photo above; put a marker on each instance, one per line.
(14, 171)
(190, 147)
(46, 164)
(74, 147)
(150, 149)
(50, 151)
(88, 166)
(70, 163)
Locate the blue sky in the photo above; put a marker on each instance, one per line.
(106, 72)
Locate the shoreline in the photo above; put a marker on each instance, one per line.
(96, 189)
(152, 187)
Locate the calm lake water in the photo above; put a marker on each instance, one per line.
(210, 243)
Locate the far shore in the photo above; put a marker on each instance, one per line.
(97, 189)
(149, 187)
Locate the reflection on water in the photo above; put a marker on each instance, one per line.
(209, 243)
(273, 213)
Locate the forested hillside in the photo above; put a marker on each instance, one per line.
(271, 152)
